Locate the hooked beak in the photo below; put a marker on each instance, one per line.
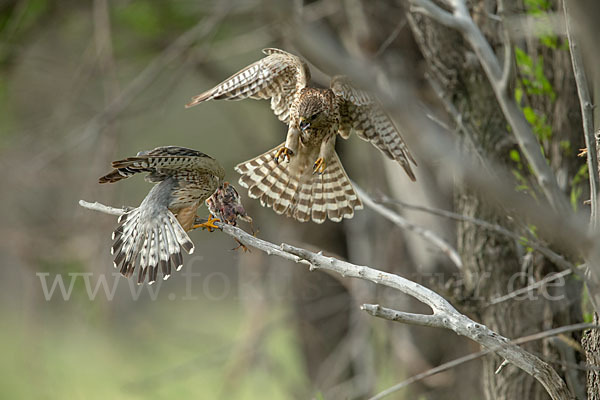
(304, 124)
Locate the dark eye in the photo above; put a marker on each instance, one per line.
(314, 116)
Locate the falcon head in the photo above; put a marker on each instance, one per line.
(312, 112)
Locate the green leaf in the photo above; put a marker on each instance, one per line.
(550, 41)
(515, 156)
(530, 115)
(518, 95)
(522, 58)
(588, 317)
(141, 16)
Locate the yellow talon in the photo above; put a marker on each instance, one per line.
(319, 166)
(209, 224)
(582, 152)
(283, 152)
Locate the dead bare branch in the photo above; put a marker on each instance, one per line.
(474, 356)
(444, 314)
(397, 219)
(538, 284)
(585, 101)
(548, 253)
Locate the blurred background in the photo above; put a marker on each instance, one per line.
(83, 83)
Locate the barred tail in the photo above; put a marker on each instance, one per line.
(303, 196)
(150, 241)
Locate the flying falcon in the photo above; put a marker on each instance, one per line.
(153, 234)
(313, 184)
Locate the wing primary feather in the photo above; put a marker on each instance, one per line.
(279, 76)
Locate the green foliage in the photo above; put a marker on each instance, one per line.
(586, 305)
(141, 16)
(515, 156)
(6, 113)
(577, 184)
(534, 82)
(566, 147)
(524, 240)
(18, 21)
(539, 9)
(34, 11)
(154, 19)
(21, 18)
(141, 27)
(519, 172)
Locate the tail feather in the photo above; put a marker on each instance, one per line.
(302, 211)
(182, 237)
(272, 189)
(286, 194)
(173, 244)
(305, 197)
(149, 241)
(163, 253)
(319, 208)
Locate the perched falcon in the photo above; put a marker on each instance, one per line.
(313, 184)
(154, 233)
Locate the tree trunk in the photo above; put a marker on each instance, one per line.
(591, 344)
(495, 265)
(585, 12)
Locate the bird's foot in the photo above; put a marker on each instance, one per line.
(284, 153)
(241, 246)
(209, 224)
(582, 152)
(319, 166)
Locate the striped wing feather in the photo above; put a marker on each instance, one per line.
(279, 77)
(363, 114)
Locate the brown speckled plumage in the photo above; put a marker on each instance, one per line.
(153, 234)
(315, 117)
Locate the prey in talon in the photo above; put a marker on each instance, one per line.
(225, 202)
(311, 184)
(152, 236)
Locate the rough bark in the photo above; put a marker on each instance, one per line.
(585, 12)
(591, 344)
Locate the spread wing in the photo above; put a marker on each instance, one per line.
(363, 114)
(280, 76)
(163, 162)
